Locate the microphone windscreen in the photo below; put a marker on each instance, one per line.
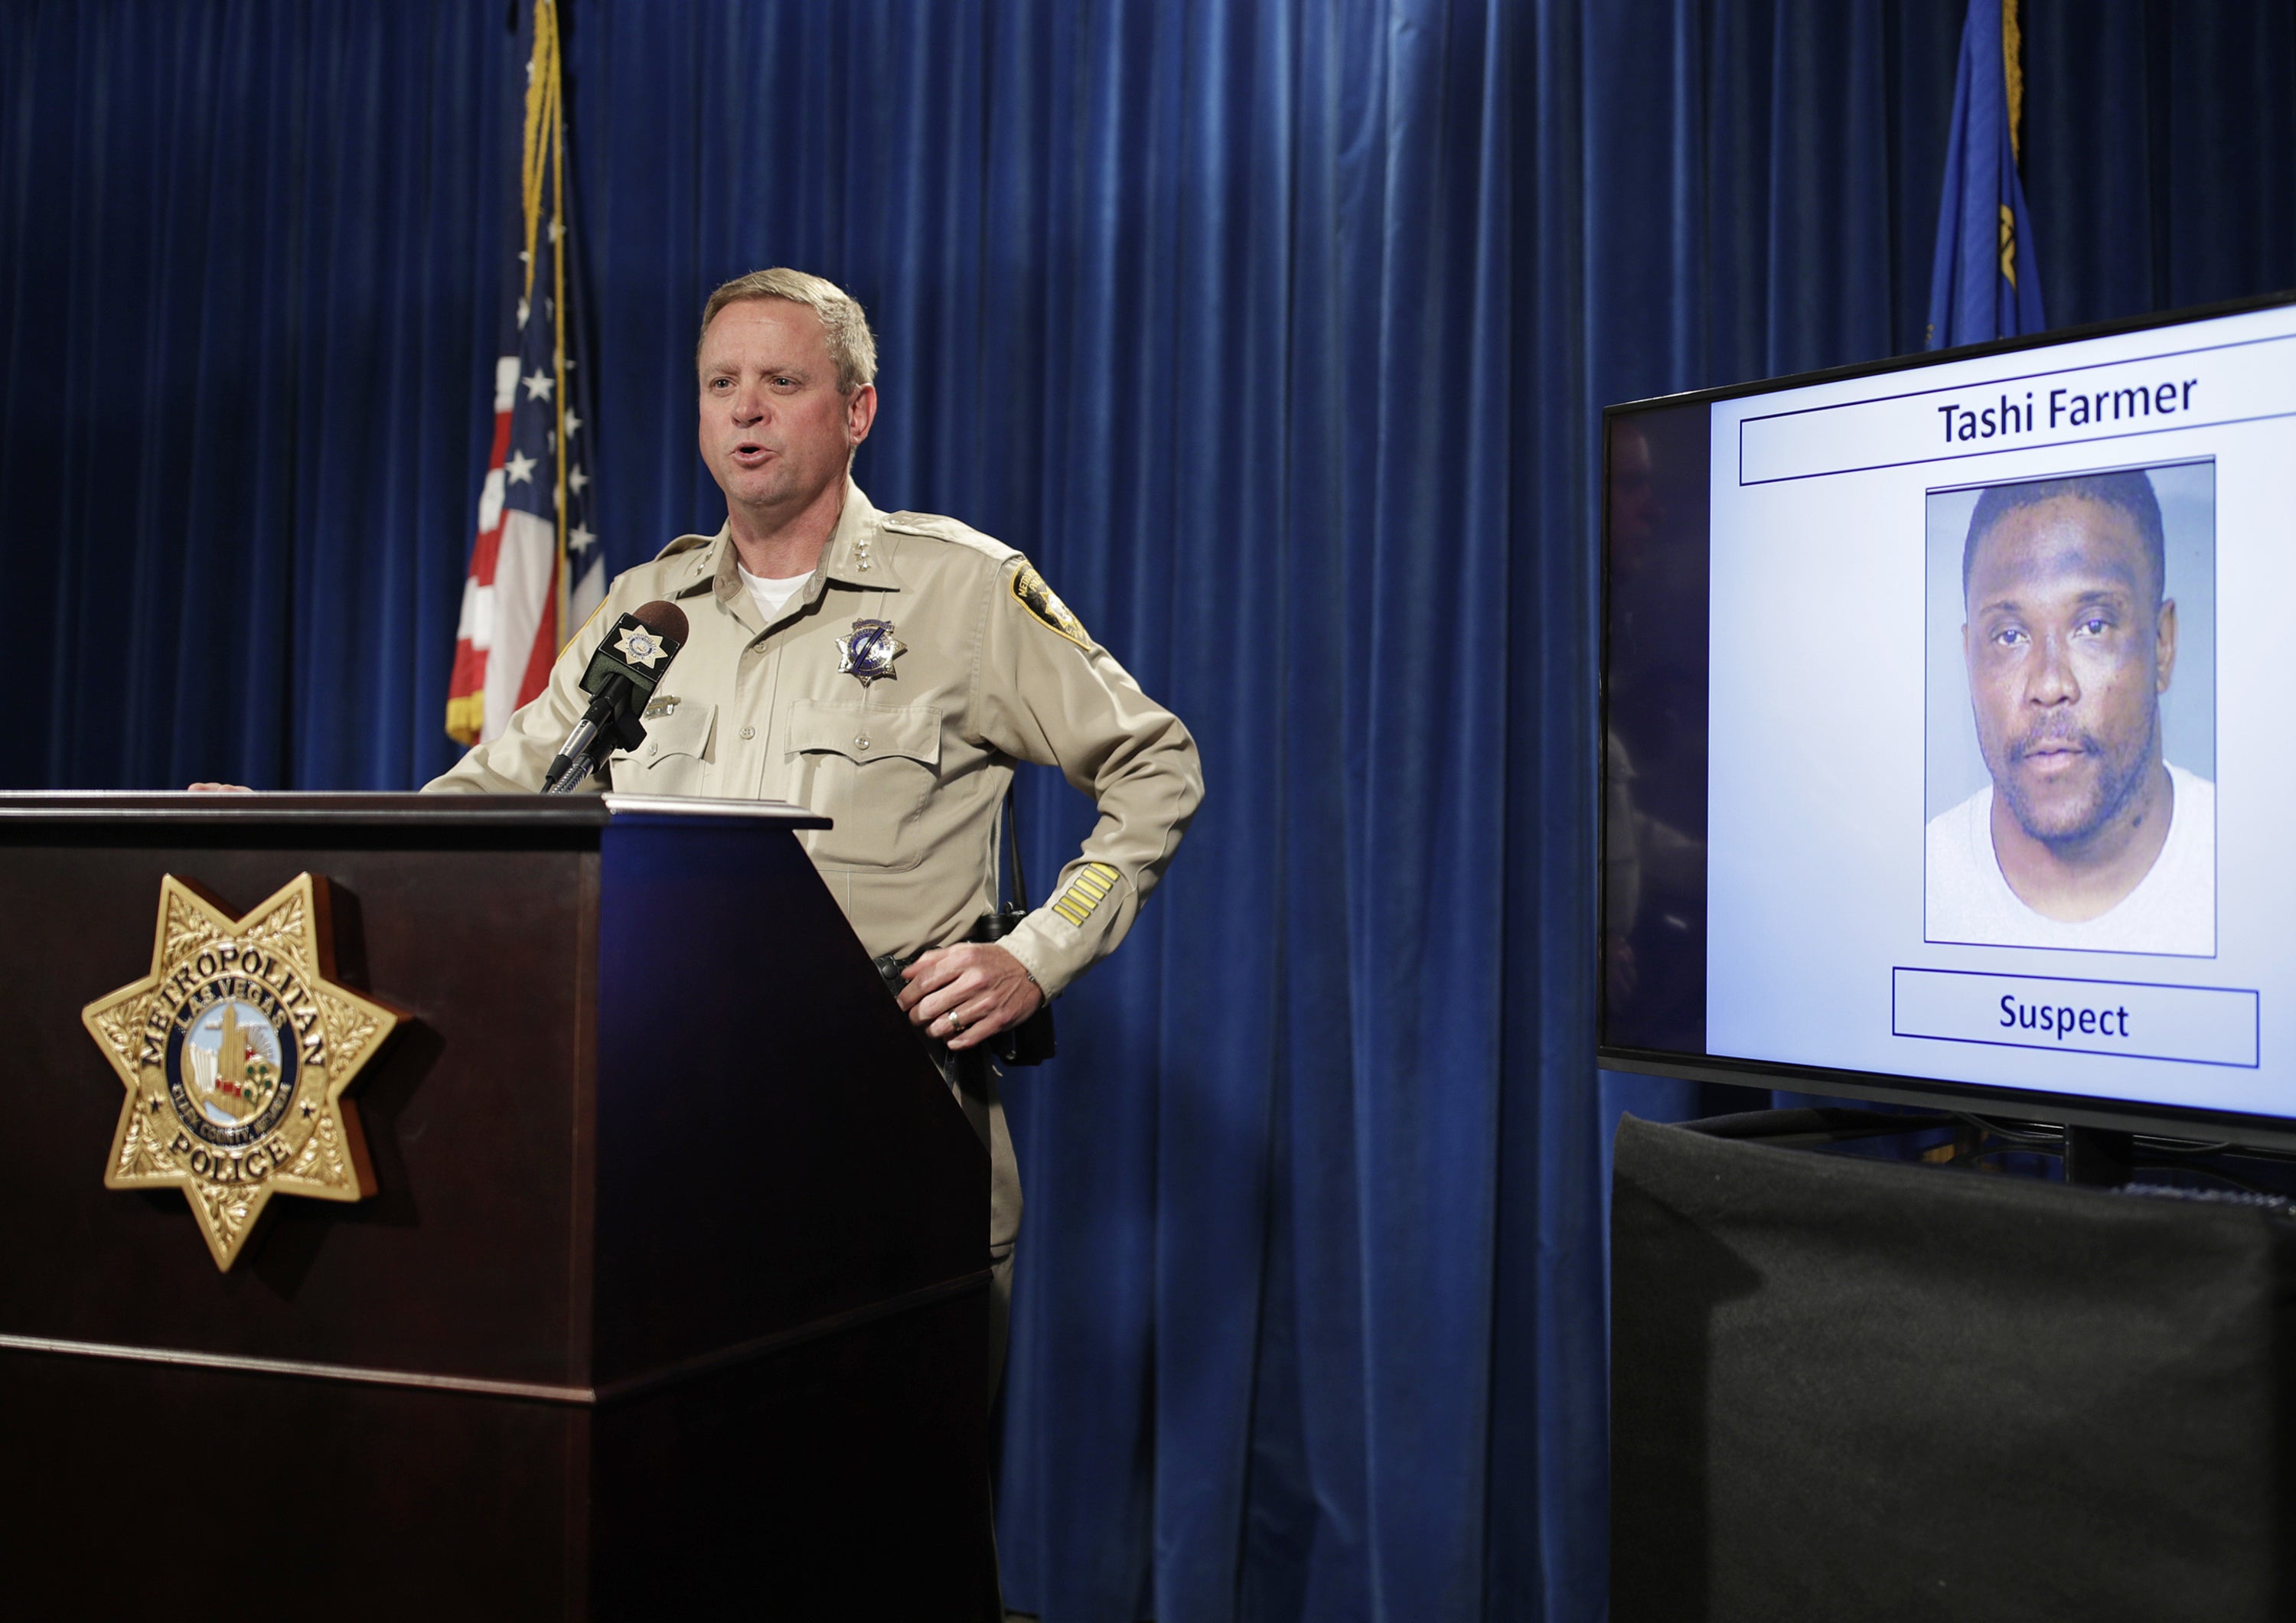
(663, 619)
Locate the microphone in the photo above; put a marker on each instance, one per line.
(623, 674)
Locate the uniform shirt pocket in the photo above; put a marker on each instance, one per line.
(871, 771)
(675, 759)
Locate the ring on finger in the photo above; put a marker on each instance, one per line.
(955, 1024)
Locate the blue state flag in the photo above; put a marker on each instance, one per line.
(1983, 284)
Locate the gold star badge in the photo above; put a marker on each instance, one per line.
(236, 1050)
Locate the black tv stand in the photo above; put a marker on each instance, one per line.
(2099, 1157)
(1826, 1369)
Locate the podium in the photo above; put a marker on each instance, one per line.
(672, 1298)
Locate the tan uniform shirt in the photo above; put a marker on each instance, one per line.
(911, 767)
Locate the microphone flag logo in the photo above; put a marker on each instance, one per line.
(869, 650)
(236, 1052)
(638, 646)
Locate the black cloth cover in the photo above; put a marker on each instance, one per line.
(1844, 1389)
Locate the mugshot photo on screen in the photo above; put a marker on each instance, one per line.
(2070, 781)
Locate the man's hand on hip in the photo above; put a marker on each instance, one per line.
(966, 995)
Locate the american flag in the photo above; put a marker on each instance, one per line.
(534, 535)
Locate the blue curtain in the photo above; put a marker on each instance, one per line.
(2159, 143)
(1275, 331)
(247, 314)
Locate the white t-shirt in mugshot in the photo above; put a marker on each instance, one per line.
(2172, 910)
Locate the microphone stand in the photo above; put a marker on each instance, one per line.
(606, 722)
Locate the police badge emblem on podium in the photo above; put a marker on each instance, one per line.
(236, 1050)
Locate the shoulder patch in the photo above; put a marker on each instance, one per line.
(1041, 600)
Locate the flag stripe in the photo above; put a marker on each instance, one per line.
(523, 589)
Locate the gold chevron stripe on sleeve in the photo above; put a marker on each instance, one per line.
(1086, 891)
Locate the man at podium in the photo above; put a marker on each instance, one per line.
(885, 670)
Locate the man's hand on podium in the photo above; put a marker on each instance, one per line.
(966, 995)
(219, 789)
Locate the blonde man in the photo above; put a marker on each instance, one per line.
(886, 669)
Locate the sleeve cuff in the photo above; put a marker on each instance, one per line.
(1039, 956)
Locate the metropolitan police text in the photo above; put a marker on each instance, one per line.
(2066, 408)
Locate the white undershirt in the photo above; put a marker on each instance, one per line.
(2172, 910)
(769, 593)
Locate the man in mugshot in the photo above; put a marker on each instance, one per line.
(2086, 837)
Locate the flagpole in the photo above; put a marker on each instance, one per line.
(532, 155)
(2013, 72)
(564, 597)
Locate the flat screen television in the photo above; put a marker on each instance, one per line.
(1946, 729)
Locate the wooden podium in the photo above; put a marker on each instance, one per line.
(672, 1301)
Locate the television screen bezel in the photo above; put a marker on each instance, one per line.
(2207, 1127)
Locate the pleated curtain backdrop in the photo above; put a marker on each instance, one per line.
(247, 263)
(1275, 331)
